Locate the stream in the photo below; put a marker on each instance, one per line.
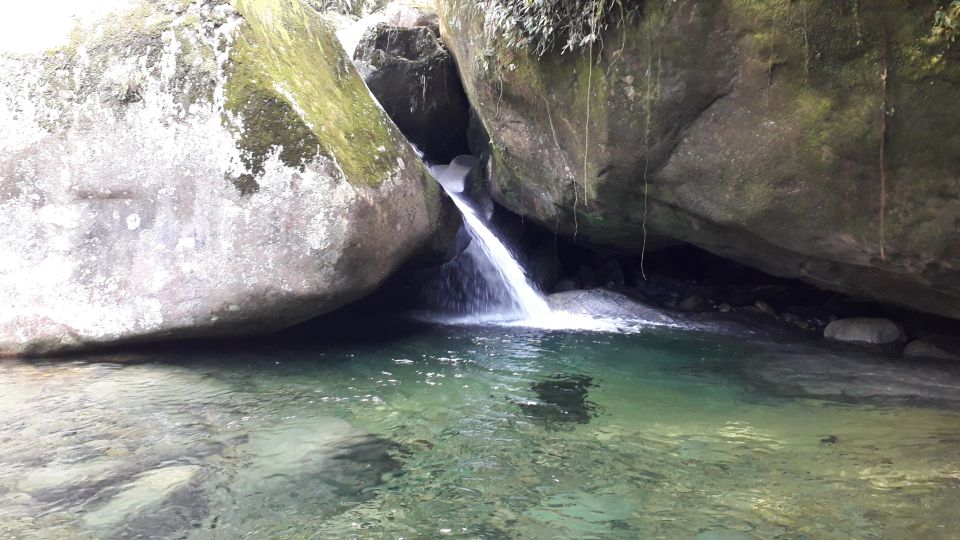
(466, 432)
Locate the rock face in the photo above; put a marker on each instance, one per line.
(873, 331)
(415, 79)
(188, 169)
(754, 127)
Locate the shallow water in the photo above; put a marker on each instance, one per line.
(465, 432)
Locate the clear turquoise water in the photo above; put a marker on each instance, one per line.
(467, 433)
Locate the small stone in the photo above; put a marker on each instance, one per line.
(117, 451)
(610, 273)
(692, 303)
(725, 308)
(566, 284)
(873, 331)
(940, 348)
(765, 308)
(797, 321)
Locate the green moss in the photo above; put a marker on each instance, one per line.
(269, 123)
(285, 63)
(813, 110)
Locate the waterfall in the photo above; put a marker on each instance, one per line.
(498, 267)
(486, 283)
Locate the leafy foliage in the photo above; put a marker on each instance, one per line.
(356, 8)
(946, 22)
(542, 25)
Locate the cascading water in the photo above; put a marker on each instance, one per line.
(486, 283)
(529, 301)
(502, 281)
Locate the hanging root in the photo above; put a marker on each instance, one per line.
(648, 113)
(586, 127)
(594, 28)
(883, 163)
(566, 167)
(884, 79)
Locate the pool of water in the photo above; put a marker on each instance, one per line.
(470, 432)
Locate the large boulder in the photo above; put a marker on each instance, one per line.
(753, 129)
(191, 169)
(415, 78)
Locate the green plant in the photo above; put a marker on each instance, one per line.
(946, 22)
(541, 26)
(356, 8)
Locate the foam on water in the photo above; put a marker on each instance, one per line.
(554, 320)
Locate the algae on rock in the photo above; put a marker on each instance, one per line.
(294, 90)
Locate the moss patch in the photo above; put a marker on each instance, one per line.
(296, 91)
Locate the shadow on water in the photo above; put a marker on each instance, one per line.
(561, 399)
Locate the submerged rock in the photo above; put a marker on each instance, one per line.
(750, 129)
(323, 464)
(149, 490)
(872, 331)
(844, 376)
(561, 399)
(192, 169)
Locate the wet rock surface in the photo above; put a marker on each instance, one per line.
(851, 376)
(604, 303)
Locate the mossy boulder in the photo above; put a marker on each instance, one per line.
(193, 169)
(751, 128)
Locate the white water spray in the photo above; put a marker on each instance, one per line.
(530, 302)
